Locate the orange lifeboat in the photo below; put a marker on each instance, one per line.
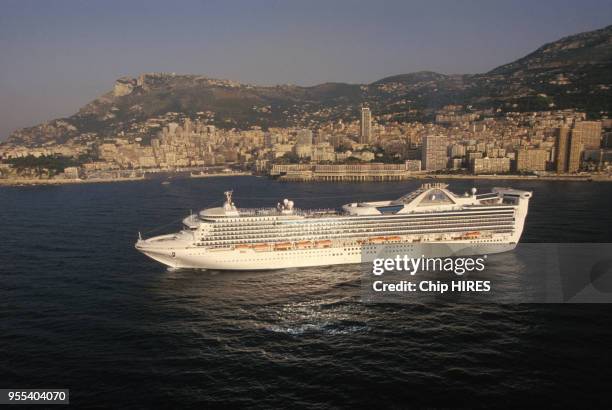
(323, 244)
(303, 244)
(282, 246)
(393, 238)
(377, 239)
(242, 246)
(261, 247)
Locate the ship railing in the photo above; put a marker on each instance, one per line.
(296, 211)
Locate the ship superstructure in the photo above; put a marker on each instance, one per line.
(429, 221)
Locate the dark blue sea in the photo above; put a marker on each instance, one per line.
(80, 308)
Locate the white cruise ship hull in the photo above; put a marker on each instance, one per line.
(249, 259)
(429, 222)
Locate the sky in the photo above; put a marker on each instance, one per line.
(57, 55)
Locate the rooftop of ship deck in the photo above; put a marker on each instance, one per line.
(254, 212)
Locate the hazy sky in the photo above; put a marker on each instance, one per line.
(56, 56)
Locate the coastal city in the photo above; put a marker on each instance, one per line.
(460, 141)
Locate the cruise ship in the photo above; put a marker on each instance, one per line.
(431, 221)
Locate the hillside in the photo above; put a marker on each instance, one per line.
(573, 72)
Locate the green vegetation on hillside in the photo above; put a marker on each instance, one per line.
(46, 164)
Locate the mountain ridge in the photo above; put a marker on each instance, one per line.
(572, 72)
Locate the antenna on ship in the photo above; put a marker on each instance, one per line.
(229, 204)
(139, 236)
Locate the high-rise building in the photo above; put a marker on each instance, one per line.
(269, 140)
(575, 151)
(304, 137)
(570, 144)
(365, 135)
(591, 133)
(531, 159)
(433, 154)
(561, 149)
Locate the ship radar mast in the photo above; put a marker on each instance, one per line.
(229, 204)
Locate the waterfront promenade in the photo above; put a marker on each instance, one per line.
(331, 178)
